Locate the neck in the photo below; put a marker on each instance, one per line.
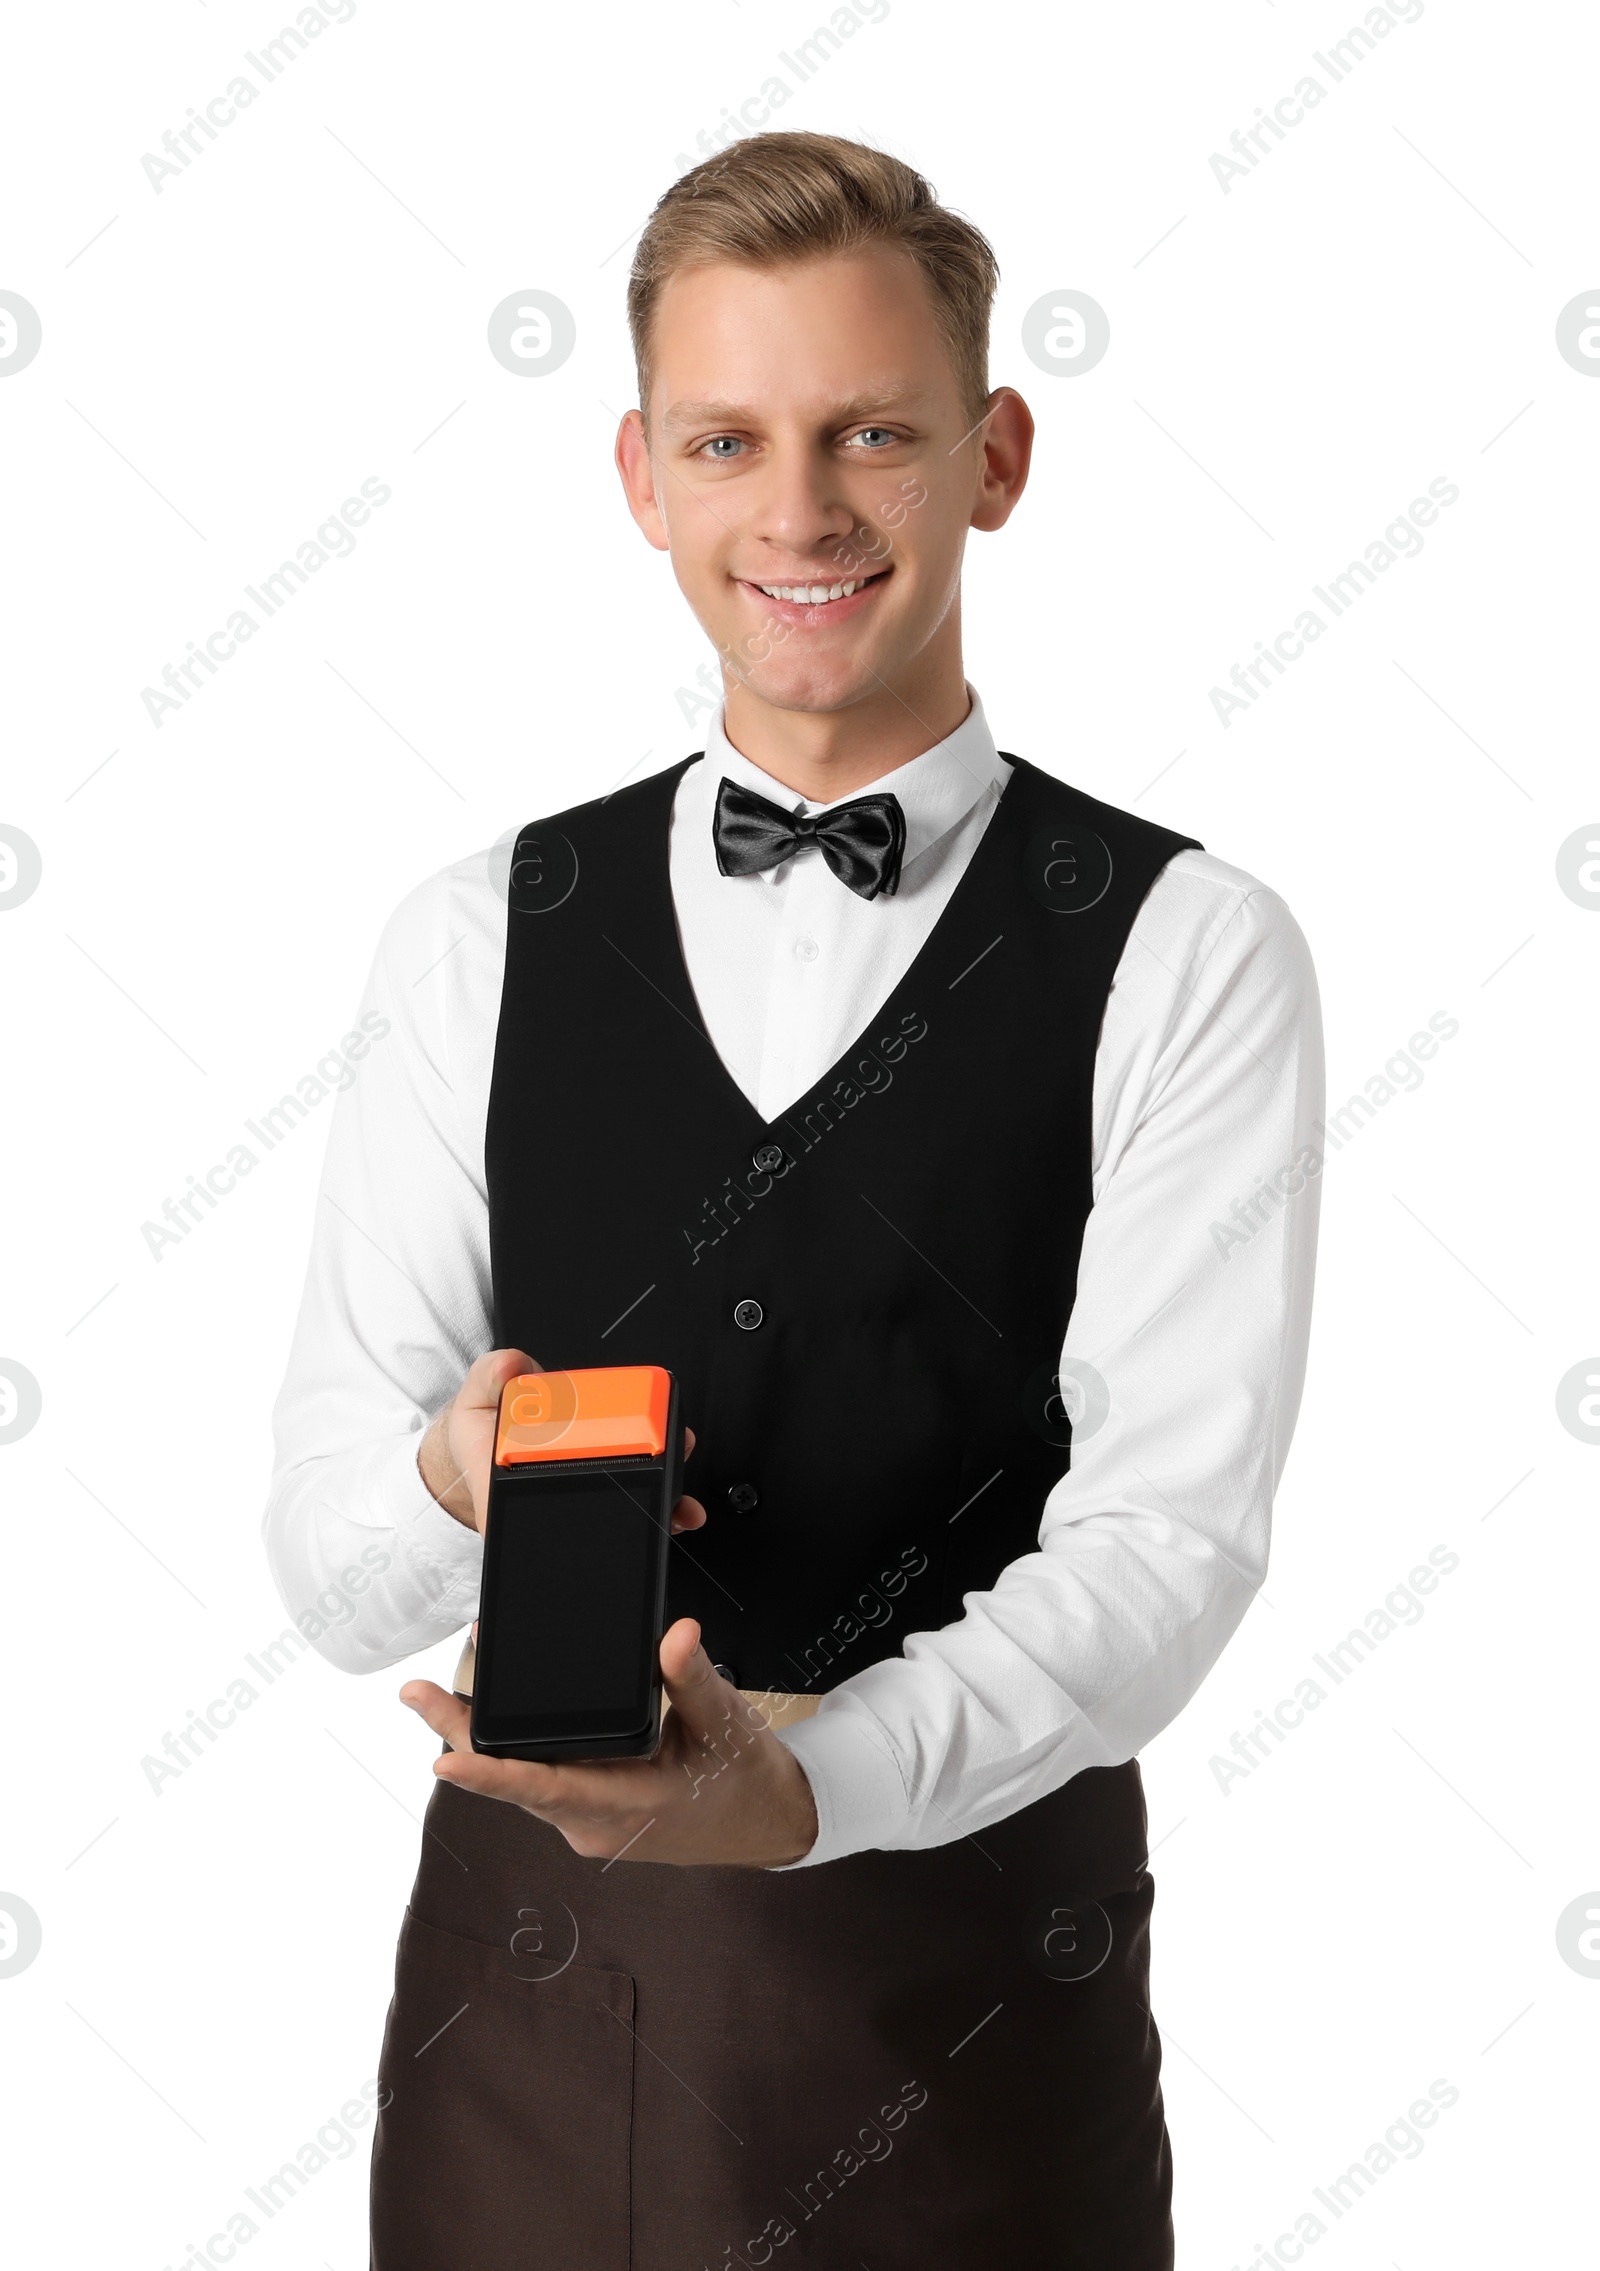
(824, 754)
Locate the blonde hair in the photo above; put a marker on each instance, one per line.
(777, 198)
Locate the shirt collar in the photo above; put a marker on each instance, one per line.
(935, 790)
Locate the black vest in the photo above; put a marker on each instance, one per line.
(865, 1299)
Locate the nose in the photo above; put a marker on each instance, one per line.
(799, 509)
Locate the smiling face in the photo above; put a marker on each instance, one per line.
(813, 470)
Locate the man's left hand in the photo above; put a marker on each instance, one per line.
(721, 1787)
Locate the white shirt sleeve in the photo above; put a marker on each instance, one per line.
(1193, 1311)
(397, 1299)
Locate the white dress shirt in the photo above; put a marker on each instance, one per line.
(1192, 1309)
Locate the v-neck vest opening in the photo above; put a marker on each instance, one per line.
(867, 1328)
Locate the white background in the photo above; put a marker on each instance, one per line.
(1292, 360)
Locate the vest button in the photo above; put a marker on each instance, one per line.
(769, 1158)
(743, 1497)
(748, 1315)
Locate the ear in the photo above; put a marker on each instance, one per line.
(1007, 450)
(639, 480)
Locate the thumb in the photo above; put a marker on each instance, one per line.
(482, 1386)
(695, 1688)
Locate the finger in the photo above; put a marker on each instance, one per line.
(516, 1782)
(480, 1391)
(521, 1781)
(688, 1514)
(450, 1716)
(679, 1645)
(697, 1691)
(688, 1441)
(549, 1791)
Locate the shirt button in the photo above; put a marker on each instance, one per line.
(769, 1158)
(805, 948)
(743, 1497)
(748, 1315)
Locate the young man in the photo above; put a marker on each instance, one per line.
(890, 1092)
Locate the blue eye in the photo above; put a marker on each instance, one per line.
(882, 432)
(720, 441)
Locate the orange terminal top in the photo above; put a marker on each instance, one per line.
(614, 1411)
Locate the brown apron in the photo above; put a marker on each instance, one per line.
(941, 2059)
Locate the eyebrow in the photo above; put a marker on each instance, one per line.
(684, 414)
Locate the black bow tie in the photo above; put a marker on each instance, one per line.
(862, 842)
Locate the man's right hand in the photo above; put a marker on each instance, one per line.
(454, 1455)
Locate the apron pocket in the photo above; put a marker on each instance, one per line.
(504, 2142)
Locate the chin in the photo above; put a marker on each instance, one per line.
(837, 685)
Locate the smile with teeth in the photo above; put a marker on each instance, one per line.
(816, 595)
